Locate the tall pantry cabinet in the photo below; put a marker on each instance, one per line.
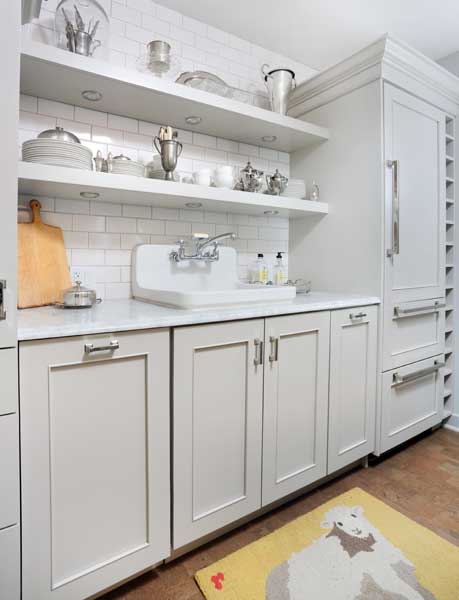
(388, 174)
(9, 427)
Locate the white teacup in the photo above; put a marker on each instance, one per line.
(203, 177)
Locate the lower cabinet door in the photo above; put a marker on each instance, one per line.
(95, 461)
(411, 401)
(9, 471)
(10, 563)
(295, 403)
(353, 351)
(217, 407)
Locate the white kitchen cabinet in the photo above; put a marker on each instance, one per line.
(95, 461)
(385, 178)
(9, 381)
(217, 412)
(10, 563)
(353, 368)
(295, 403)
(412, 398)
(9, 470)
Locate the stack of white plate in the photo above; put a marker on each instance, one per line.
(58, 153)
(122, 166)
(296, 189)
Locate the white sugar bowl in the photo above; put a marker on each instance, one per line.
(224, 177)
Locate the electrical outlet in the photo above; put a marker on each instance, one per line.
(86, 277)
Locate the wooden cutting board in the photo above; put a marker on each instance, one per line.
(43, 271)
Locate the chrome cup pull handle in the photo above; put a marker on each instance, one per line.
(357, 316)
(90, 348)
(395, 249)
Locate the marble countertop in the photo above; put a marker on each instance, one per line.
(129, 315)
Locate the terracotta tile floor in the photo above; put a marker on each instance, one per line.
(421, 480)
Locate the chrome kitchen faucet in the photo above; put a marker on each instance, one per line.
(201, 241)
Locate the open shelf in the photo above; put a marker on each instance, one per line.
(56, 74)
(61, 182)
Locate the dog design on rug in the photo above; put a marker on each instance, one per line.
(353, 561)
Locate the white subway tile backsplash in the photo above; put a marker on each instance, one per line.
(88, 223)
(151, 23)
(129, 240)
(151, 226)
(125, 13)
(81, 130)
(103, 233)
(145, 6)
(76, 239)
(79, 207)
(104, 135)
(166, 14)
(57, 220)
(88, 115)
(117, 291)
(121, 225)
(194, 25)
(131, 210)
(118, 257)
(206, 141)
(178, 228)
(35, 122)
(28, 103)
(105, 241)
(123, 123)
(105, 208)
(85, 258)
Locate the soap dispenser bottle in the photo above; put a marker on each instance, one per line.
(258, 272)
(279, 274)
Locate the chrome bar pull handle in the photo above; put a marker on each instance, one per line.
(2, 300)
(400, 312)
(274, 354)
(401, 379)
(395, 249)
(258, 360)
(90, 348)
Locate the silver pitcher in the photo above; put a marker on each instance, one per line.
(276, 183)
(280, 83)
(169, 150)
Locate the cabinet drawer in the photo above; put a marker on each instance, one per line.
(411, 401)
(9, 379)
(10, 578)
(413, 331)
(9, 470)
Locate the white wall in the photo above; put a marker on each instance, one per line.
(451, 62)
(99, 237)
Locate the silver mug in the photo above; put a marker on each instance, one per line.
(85, 44)
(169, 150)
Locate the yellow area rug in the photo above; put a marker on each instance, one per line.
(354, 547)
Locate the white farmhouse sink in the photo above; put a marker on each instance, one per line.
(195, 284)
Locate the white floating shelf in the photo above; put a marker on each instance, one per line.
(61, 182)
(56, 74)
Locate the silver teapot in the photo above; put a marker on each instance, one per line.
(251, 178)
(276, 183)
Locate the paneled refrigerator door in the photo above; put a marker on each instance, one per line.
(414, 154)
